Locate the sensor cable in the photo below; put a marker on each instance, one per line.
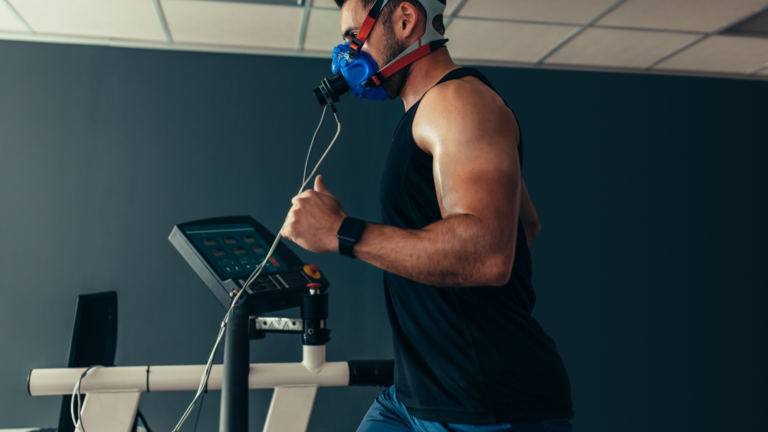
(305, 179)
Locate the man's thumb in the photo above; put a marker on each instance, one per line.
(320, 186)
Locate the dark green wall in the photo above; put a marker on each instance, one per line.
(649, 269)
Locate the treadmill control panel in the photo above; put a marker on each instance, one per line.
(224, 252)
(233, 251)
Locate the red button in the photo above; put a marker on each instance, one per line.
(314, 268)
(314, 274)
(314, 286)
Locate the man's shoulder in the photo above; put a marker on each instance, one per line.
(463, 93)
(456, 108)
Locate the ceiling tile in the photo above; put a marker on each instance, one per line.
(241, 24)
(619, 48)
(559, 11)
(690, 15)
(502, 41)
(8, 20)
(724, 54)
(121, 19)
(323, 30)
(324, 3)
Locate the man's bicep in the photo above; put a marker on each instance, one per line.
(472, 136)
(478, 172)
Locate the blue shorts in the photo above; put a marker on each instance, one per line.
(388, 414)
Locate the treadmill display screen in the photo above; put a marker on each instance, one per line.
(234, 250)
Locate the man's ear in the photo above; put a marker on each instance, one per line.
(408, 19)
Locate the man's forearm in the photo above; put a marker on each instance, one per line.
(454, 252)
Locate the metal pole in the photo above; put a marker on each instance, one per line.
(234, 386)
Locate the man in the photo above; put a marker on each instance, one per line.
(457, 224)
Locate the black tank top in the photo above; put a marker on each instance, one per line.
(464, 355)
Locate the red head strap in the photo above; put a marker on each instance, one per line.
(365, 29)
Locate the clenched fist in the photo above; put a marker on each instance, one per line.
(314, 219)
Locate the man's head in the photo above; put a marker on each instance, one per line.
(400, 24)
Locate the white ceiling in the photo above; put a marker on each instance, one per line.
(620, 48)
(726, 54)
(323, 29)
(219, 23)
(523, 42)
(642, 36)
(555, 11)
(122, 19)
(9, 21)
(688, 15)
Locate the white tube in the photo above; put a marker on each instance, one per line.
(46, 382)
(182, 378)
(314, 357)
(271, 375)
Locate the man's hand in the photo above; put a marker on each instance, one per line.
(314, 219)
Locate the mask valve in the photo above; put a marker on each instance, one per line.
(330, 89)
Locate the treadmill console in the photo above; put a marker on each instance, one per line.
(224, 252)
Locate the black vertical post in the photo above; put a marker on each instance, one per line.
(233, 415)
(314, 312)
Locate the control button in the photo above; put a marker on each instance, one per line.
(247, 263)
(314, 286)
(274, 262)
(312, 271)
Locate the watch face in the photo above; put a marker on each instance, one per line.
(351, 229)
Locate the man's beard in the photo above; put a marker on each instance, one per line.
(393, 48)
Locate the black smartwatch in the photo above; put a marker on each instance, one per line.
(349, 234)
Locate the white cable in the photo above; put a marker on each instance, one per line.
(79, 427)
(256, 272)
(312, 143)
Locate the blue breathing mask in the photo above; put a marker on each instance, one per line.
(356, 72)
(350, 73)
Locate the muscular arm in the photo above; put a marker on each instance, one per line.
(473, 138)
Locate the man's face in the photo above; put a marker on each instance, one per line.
(382, 43)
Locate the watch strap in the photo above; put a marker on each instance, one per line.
(349, 234)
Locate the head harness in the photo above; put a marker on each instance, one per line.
(355, 70)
